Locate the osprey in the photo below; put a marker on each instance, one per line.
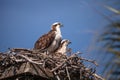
(63, 48)
(50, 42)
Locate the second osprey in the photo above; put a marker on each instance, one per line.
(50, 42)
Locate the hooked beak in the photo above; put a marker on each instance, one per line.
(61, 25)
(69, 42)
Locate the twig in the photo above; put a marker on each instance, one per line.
(92, 61)
(58, 78)
(62, 63)
(80, 74)
(19, 49)
(29, 59)
(68, 75)
(99, 77)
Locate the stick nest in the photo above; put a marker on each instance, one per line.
(61, 66)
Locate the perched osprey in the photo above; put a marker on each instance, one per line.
(63, 48)
(50, 42)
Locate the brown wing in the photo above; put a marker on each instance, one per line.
(45, 41)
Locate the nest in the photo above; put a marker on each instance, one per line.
(48, 66)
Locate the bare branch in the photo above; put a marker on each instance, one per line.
(29, 59)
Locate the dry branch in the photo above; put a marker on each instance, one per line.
(28, 59)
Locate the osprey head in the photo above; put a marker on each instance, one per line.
(56, 25)
(65, 41)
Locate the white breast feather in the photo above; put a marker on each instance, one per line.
(62, 50)
(55, 43)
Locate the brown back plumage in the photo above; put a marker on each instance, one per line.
(45, 40)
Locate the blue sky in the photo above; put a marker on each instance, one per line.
(22, 22)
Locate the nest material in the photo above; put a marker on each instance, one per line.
(61, 67)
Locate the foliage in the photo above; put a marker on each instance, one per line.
(111, 38)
